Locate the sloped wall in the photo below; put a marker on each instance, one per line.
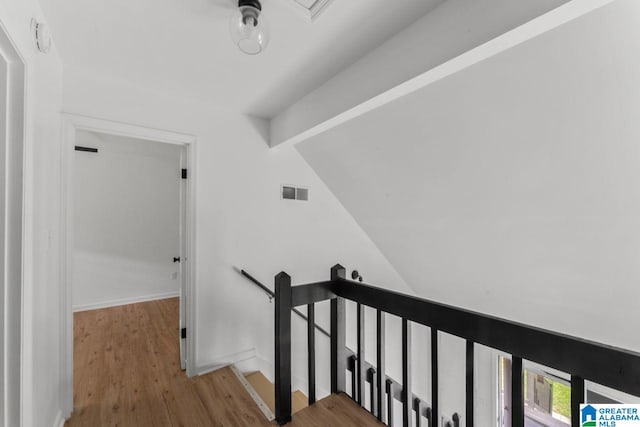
(514, 180)
(511, 188)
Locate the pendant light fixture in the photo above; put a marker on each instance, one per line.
(249, 29)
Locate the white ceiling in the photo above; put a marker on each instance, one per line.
(184, 46)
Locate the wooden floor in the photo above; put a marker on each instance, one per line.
(336, 410)
(127, 373)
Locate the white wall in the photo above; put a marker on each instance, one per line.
(40, 285)
(126, 220)
(511, 188)
(241, 220)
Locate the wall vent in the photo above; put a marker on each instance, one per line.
(290, 192)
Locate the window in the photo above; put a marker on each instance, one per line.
(547, 397)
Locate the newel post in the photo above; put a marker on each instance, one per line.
(338, 336)
(283, 348)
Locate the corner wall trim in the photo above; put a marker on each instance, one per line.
(125, 301)
(59, 421)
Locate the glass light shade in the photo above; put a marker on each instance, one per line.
(249, 30)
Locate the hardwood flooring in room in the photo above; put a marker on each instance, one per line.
(127, 373)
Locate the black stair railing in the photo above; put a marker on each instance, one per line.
(379, 383)
(582, 359)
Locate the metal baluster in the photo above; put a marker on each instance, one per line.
(353, 361)
(577, 397)
(434, 378)
(360, 351)
(456, 420)
(380, 322)
(517, 396)
(283, 348)
(470, 383)
(390, 403)
(417, 406)
(338, 336)
(406, 373)
(371, 375)
(311, 347)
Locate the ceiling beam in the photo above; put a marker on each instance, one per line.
(456, 35)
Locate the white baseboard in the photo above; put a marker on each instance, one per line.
(125, 301)
(222, 361)
(59, 422)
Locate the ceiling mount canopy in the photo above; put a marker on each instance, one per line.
(253, 3)
(249, 28)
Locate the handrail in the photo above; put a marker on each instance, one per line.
(610, 366)
(272, 295)
(582, 359)
(622, 370)
(255, 281)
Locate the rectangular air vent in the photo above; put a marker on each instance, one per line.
(289, 192)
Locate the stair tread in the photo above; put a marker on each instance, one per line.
(266, 391)
(334, 410)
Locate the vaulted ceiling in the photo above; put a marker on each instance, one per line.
(510, 187)
(184, 46)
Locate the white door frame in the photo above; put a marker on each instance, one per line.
(13, 95)
(72, 123)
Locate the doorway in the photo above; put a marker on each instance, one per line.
(12, 119)
(129, 223)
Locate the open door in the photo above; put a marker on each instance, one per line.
(182, 269)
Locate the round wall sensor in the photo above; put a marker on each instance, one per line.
(41, 36)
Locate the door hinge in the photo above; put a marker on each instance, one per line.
(183, 333)
(176, 259)
(184, 174)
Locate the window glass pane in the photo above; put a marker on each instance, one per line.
(547, 398)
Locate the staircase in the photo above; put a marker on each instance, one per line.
(608, 366)
(266, 391)
(335, 410)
